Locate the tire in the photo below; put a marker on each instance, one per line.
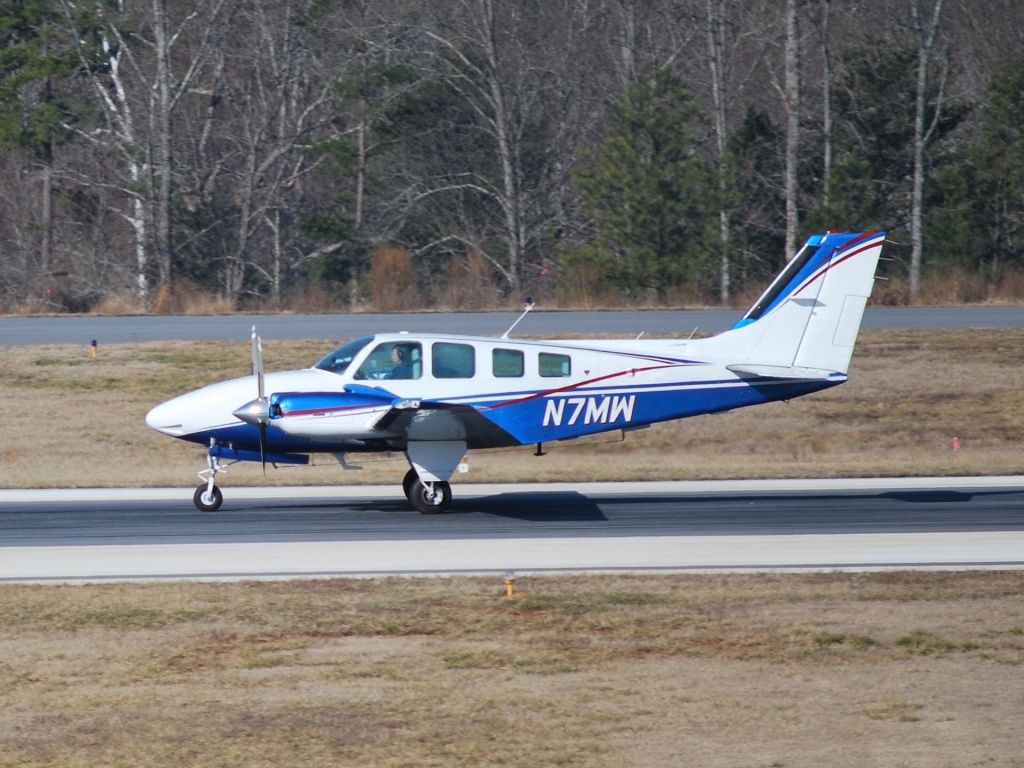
(206, 503)
(407, 482)
(427, 504)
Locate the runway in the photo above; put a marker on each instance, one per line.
(81, 329)
(95, 535)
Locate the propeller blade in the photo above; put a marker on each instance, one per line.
(258, 412)
(257, 362)
(263, 453)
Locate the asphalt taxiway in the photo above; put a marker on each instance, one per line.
(111, 534)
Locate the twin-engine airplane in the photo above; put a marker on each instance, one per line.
(435, 396)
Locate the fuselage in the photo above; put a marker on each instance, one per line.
(498, 392)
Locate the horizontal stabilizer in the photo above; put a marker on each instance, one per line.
(789, 372)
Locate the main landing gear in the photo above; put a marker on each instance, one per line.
(428, 498)
(433, 462)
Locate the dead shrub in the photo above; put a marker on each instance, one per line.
(120, 304)
(583, 285)
(952, 286)
(393, 280)
(472, 283)
(186, 298)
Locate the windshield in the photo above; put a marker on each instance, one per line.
(340, 359)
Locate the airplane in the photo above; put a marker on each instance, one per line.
(436, 396)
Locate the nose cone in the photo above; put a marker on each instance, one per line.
(167, 418)
(255, 412)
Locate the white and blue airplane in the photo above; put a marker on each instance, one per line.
(435, 396)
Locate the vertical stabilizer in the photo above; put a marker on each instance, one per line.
(808, 319)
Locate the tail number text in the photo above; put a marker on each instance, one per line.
(602, 409)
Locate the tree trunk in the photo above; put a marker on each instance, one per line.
(162, 144)
(627, 46)
(716, 44)
(925, 45)
(826, 105)
(792, 126)
(502, 127)
(46, 210)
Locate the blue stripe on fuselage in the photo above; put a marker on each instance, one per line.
(573, 414)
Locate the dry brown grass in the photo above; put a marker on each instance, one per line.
(808, 670)
(73, 421)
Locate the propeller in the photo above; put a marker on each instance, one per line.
(257, 412)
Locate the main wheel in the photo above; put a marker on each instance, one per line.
(208, 502)
(407, 482)
(427, 502)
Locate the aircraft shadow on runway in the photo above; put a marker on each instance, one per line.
(534, 507)
(948, 497)
(572, 506)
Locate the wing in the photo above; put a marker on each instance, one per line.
(375, 414)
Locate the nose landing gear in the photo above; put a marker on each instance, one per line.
(208, 496)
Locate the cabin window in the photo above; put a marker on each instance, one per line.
(554, 365)
(393, 360)
(340, 359)
(453, 361)
(507, 363)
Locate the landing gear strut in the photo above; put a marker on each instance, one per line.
(208, 497)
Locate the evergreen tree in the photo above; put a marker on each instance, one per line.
(34, 109)
(649, 191)
(30, 113)
(997, 164)
(757, 203)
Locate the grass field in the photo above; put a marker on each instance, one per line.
(784, 671)
(812, 670)
(74, 421)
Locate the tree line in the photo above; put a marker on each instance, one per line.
(470, 152)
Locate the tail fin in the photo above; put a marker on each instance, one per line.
(806, 323)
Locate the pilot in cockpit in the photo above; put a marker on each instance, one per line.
(401, 359)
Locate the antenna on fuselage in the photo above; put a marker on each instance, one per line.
(526, 311)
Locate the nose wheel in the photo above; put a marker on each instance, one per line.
(208, 499)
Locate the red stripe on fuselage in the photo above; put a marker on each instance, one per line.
(568, 387)
(310, 411)
(832, 264)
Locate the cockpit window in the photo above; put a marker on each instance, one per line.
(340, 359)
(393, 360)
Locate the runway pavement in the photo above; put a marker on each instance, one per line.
(81, 329)
(356, 531)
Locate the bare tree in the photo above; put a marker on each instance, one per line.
(925, 33)
(715, 21)
(826, 101)
(791, 100)
(483, 52)
(135, 74)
